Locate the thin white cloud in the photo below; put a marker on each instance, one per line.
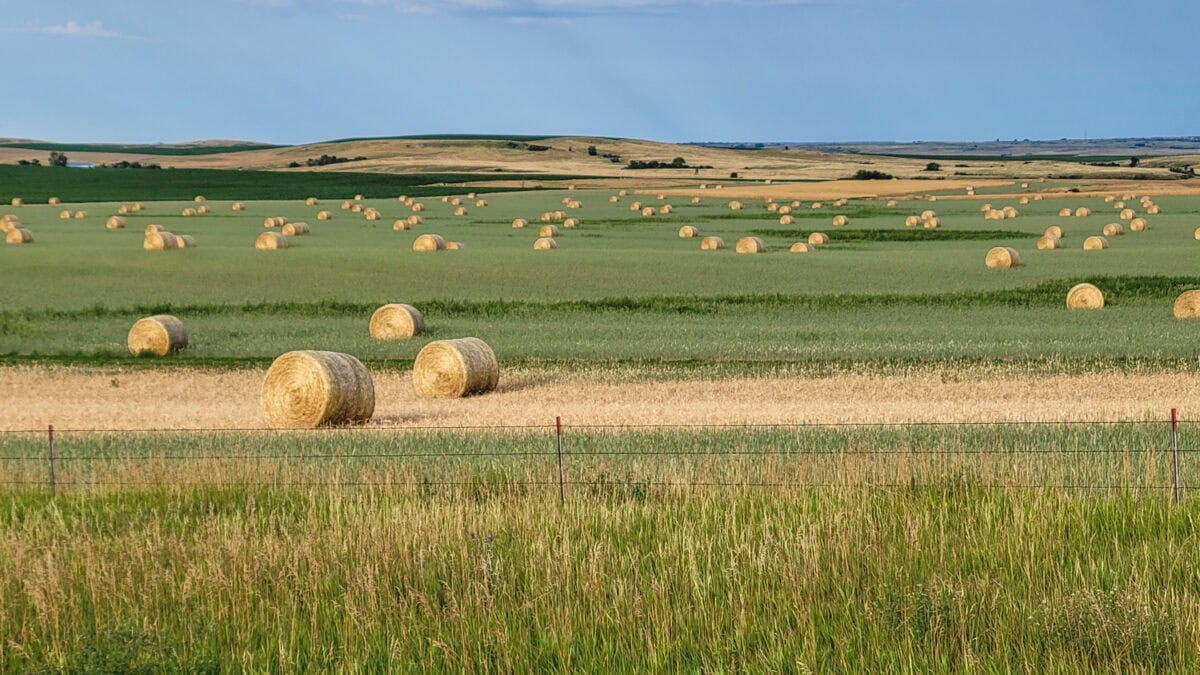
(93, 29)
(535, 10)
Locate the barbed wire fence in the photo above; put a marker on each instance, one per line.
(566, 456)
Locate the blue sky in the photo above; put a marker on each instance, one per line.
(292, 71)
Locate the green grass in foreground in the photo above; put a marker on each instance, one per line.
(768, 549)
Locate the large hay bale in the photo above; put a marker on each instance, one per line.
(416, 220)
(296, 229)
(984, 208)
(1010, 212)
(545, 244)
(648, 212)
(455, 368)
(54, 201)
(359, 198)
(153, 228)
(623, 193)
(371, 214)
(1048, 243)
(1054, 231)
(635, 206)
(1002, 258)
(429, 242)
(471, 195)
(1064, 212)
(712, 244)
(346, 205)
(802, 247)
(157, 335)
(311, 201)
(17, 201)
(912, 221)
(1153, 210)
(115, 223)
(1139, 225)
(418, 207)
(1196, 234)
(455, 246)
(481, 203)
(1095, 244)
(18, 235)
(735, 206)
(396, 321)
(238, 206)
(400, 225)
(1126, 214)
(188, 212)
(1113, 230)
(185, 241)
(1023, 201)
(840, 221)
(928, 214)
(548, 231)
(1187, 305)
(203, 210)
(456, 202)
(891, 203)
(200, 199)
(1085, 296)
(460, 211)
(520, 223)
(785, 210)
(122, 209)
(80, 215)
(1083, 212)
(64, 215)
(356, 208)
(614, 199)
(666, 209)
(309, 389)
(270, 241)
(274, 221)
(571, 223)
(160, 240)
(787, 220)
(324, 215)
(818, 239)
(1110, 199)
(689, 231)
(750, 245)
(773, 207)
(137, 206)
(931, 224)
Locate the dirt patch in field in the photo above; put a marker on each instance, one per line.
(75, 398)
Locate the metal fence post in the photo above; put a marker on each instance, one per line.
(1175, 485)
(52, 481)
(562, 485)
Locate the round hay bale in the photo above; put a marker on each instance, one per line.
(1064, 212)
(735, 206)
(816, 205)
(188, 212)
(796, 204)
(17, 201)
(115, 223)
(1037, 198)
(1196, 234)
(445, 199)
(520, 223)
(480, 203)
(200, 199)
(931, 224)
(238, 206)
(64, 215)
(455, 368)
(18, 235)
(396, 321)
(1113, 230)
(270, 241)
(994, 215)
(818, 239)
(416, 220)
(470, 195)
(324, 215)
(1085, 296)
(802, 247)
(1126, 214)
(1083, 212)
(546, 217)
(559, 216)
(614, 199)
(1010, 212)
(712, 244)
(545, 244)
(1187, 305)
(750, 245)
(648, 212)
(1023, 201)
(346, 205)
(689, 231)
(309, 389)
(359, 198)
(1139, 225)
(666, 209)
(311, 201)
(157, 335)
(891, 203)
(400, 226)
(54, 201)
(356, 208)
(623, 193)
(1048, 243)
(1110, 199)
(203, 210)
(455, 246)
(787, 220)
(912, 221)
(660, 196)
(927, 214)
(160, 240)
(635, 206)
(785, 210)
(1119, 205)
(1002, 258)
(548, 231)
(153, 228)
(571, 222)
(429, 242)
(80, 215)
(840, 221)
(460, 211)
(1054, 231)
(122, 209)
(272, 221)
(695, 200)
(773, 207)
(371, 214)
(296, 229)
(1095, 244)
(1154, 210)
(418, 207)
(456, 202)
(185, 241)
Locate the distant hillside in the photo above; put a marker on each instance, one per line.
(173, 149)
(1101, 149)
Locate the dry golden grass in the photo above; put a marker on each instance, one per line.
(115, 398)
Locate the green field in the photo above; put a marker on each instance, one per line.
(620, 288)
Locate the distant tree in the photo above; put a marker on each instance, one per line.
(733, 174)
(58, 159)
(1134, 161)
(679, 162)
(592, 151)
(933, 166)
(864, 174)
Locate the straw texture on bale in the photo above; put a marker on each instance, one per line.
(272, 221)
(735, 206)
(309, 389)
(545, 244)
(635, 206)
(648, 212)
(202, 210)
(1010, 212)
(614, 199)
(269, 241)
(159, 241)
(802, 247)
(188, 212)
(750, 245)
(785, 210)
(356, 208)
(1113, 230)
(200, 199)
(520, 223)
(359, 198)
(18, 235)
(689, 231)
(460, 211)
(1095, 244)
(455, 246)
(1085, 296)
(912, 221)
(159, 335)
(787, 220)
(1139, 225)
(1125, 214)
(1054, 231)
(548, 231)
(185, 241)
(396, 321)
(666, 209)
(456, 202)
(64, 215)
(1048, 243)
(481, 203)
(311, 201)
(54, 201)
(122, 209)
(418, 207)
(1082, 212)
(1187, 305)
(17, 201)
(1196, 234)
(818, 239)
(429, 242)
(1002, 257)
(840, 221)
(324, 215)
(931, 224)
(346, 205)
(80, 215)
(238, 206)
(371, 214)
(400, 226)
(115, 223)
(1064, 212)
(416, 220)
(571, 222)
(1153, 210)
(712, 244)
(772, 207)
(455, 368)
(928, 214)
(296, 229)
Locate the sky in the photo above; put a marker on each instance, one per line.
(298, 71)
